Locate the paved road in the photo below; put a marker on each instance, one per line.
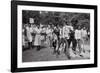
(46, 54)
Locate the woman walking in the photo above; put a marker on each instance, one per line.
(29, 35)
(37, 41)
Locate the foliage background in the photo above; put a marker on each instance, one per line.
(57, 18)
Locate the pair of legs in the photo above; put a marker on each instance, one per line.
(38, 47)
(55, 45)
(64, 43)
(79, 42)
(84, 40)
(74, 43)
(50, 41)
(29, 45)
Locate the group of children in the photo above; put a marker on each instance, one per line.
(58, 37)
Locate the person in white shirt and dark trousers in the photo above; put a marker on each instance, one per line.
(78, 37)
(66, 31)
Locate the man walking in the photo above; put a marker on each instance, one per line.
(66, 31)
(78, 37)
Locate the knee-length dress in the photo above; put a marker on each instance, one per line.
(37, 40)
(29, 35)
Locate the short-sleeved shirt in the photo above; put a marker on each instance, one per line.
(84, 33)
(78, 34)
(66, 31)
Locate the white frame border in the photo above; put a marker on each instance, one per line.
(52, 63)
